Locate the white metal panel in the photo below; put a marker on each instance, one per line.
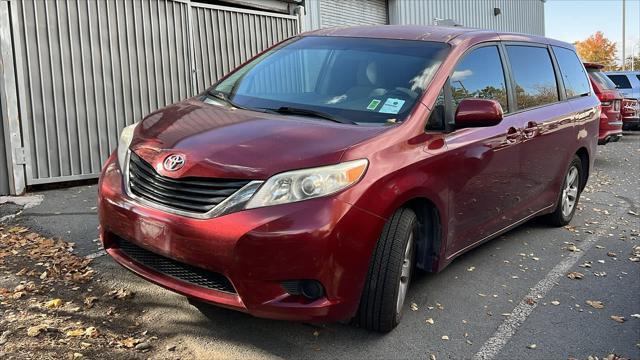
(226, 37)
(328, 13)
(87, 68)
(525, 16)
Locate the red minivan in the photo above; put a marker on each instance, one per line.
(310, 182)
(611, 104)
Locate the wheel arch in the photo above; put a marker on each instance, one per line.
(429, 244)
(583, 154)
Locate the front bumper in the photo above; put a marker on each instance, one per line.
(323, 239)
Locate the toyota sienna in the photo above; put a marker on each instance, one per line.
(309, 183)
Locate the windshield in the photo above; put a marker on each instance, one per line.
(362, 80)
(602, 79)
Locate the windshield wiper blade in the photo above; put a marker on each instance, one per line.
(308, 112)
(222, 96)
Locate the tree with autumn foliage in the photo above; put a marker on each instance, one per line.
(598, 49)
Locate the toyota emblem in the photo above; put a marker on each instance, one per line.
(174, 162)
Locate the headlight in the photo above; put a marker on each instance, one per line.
(123, 144)
(306, 184)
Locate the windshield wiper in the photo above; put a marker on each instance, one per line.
(308, 112)
(222, 96)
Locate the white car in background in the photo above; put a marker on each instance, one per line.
(628, 84)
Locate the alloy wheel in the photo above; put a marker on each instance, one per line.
(570, 191)
(405, 275)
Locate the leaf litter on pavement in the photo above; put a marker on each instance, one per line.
(52, 305)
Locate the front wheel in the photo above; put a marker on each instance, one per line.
(569, 195)
(389, 273)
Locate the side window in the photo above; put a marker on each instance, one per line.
(534, 76)
(621, 81)
(480, 75)
(576, 82)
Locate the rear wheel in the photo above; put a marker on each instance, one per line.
(389, 275)
(569, 195)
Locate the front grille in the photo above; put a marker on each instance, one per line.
(175, 269)
(198, 195)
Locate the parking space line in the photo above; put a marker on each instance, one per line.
(509, 326)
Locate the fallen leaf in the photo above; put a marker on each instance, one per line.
(91, 332)
(76, 332)
(445, 337)
(611, 254)
(575, 275)
(128, 342)
(573, 248)
(596, 304)
(34, 331)
(617, 318)
(637, 316)
(529, 301)
(431, 322)
(555, 302)
(89, 300)
(121, 294)
(471, 268)
(414, 306)
(532, 346)
(53, 304)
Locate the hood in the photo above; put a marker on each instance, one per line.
(223, 142)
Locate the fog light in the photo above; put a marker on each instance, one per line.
(311, 289)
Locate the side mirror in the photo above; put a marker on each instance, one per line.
(478, 113)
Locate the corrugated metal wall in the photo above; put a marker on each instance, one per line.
(87, 68)
(327, 13)
(4, 175)
(526, 16)
(226, 37)
(352, 12)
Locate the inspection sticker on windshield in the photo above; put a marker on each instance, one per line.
(391, 106)
(373, 104)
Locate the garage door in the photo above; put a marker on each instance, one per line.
(352, 12)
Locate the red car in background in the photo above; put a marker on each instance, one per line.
(630, 114)
(611, 104)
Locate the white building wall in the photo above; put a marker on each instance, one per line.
(525, 16)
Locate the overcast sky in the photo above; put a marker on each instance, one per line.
(571, 20)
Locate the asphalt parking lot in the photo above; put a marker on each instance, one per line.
(509, 298)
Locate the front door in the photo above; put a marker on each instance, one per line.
(484, 181)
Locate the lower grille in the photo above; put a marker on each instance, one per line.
(176, 269)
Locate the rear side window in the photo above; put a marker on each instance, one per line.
(601, 79)
(576, 82)
(622, 81)
(534, 76)
(480, 75)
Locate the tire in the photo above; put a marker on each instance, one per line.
(561, 216)
(380, 305)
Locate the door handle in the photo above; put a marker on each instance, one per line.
(513, 135)
(531, 130)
